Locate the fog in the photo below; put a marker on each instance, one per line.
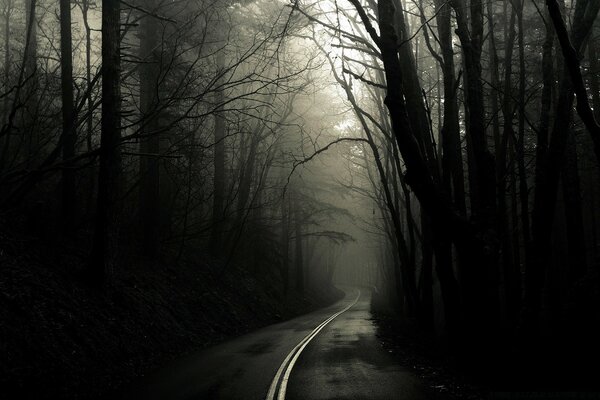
(440, 156)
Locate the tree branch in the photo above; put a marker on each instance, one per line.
(571, 57)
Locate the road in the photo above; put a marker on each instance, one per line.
(332, 353)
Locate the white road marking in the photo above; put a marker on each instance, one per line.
(295, 353)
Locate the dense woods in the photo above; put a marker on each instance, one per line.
(443, 153)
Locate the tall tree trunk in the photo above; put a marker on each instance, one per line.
(452, 163)
(511, 275)
(5, 137)
(218, 214)
(299, 260)
(594, 71)
(546, 104)
(545, 198)
(105, 243)
(68, 114)
(573, 211)
(406, 272)
(523, 186)
(482, 166)
(7, 59)
(149, 193)
(31, 51)
(412, 90)
(500, 148)
(247, 175)
(89, 119)
(29, 114)
(425, 313)
(515, 227)
(450, 289)
(285, 246)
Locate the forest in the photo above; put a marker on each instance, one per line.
(174, 174)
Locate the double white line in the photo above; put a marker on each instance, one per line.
(292, 357)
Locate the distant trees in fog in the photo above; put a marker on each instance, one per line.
(168, 127)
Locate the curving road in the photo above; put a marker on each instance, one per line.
(332, 353)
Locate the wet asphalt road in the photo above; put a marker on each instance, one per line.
(344, 360)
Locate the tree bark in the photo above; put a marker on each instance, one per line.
(7, 61)
(520, 150)
(149, 192)
(425, 314)
(482, 166)
(298, 254)
(594, 71)
(68, 116)
(412, 90)
(511, 276)
(452, 162)
(285, 246)
(573, 212)
(218, 214)
(105, 243)
(29, 114)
